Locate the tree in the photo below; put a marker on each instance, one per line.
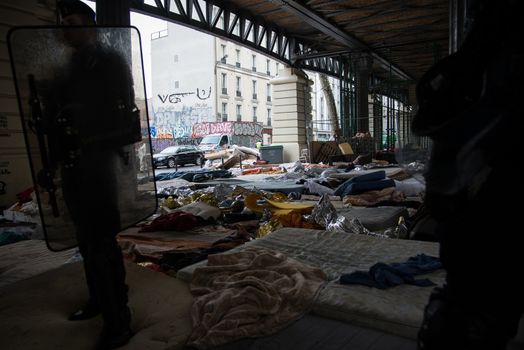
(331, 106)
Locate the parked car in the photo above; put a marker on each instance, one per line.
(178, 155)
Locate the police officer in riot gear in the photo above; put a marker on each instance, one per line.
(87, 102)
(470, 106)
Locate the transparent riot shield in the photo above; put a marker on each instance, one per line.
(82, 102)
(412, 152)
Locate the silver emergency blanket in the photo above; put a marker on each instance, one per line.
(325, 214)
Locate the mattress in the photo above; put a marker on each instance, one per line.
(28, 258)
(396, 310)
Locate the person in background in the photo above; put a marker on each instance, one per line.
(89, 98)
(470, 105)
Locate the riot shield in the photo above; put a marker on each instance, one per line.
(82, 102)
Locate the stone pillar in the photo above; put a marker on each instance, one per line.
(291, 112)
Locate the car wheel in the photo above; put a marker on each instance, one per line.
(171, 162)
(199, 161)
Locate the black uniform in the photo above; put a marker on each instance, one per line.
(91, 108)
(469, 104)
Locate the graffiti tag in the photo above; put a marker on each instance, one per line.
(233, 128)
(174, 98)
(203, 96)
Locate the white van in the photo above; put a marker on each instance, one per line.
(214, 142)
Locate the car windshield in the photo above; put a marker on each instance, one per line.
(169, 150)
(210, 139)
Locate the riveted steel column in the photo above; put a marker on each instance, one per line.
(363, 69)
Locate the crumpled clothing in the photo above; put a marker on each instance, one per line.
(201, 209)
(314, 187)
(194, 176)
(374, 197)
(25, 196)
(384, 276)
(177, 221)
(8, 237)
(363, 183)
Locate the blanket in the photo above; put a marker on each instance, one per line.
(250, 293)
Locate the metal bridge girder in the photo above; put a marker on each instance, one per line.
(236, 25)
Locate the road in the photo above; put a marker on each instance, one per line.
(180, 168)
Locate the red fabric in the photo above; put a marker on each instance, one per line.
(177, 221)
(24, 196)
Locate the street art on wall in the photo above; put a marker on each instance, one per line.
(232, 128)
(174, 114)
(241, 133)
(177, 97)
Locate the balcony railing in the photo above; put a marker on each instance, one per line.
(237, 64)
(269, 99)
(224, 91)
(254, 96)
(239, 93)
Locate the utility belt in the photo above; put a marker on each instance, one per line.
(69, 141)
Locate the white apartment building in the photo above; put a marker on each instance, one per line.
(200, 78)
(244, 91)
(183, 81)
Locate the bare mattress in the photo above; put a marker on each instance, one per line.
(28, 258)
(396, 310)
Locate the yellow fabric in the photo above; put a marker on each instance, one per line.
(304, 208)
(281, 208)
(345, 148)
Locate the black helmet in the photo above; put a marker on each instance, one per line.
(74, 7)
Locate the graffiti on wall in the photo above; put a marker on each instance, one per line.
(173, 98)
(174, 114)
(202, 129)
(202, 95)
(248, 129)
(233, 128)
(160, 144)
(177, 96)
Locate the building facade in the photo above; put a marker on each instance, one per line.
(200, 78)
(182, 75)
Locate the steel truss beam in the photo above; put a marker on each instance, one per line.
(240, 26)
(226, 22)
